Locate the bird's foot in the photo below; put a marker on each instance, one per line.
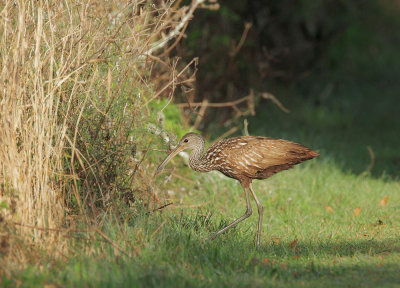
(213, 236)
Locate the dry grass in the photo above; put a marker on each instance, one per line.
(75, 84)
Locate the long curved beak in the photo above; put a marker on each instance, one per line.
(169, 157)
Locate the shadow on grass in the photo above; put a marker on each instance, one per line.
(227, 263)
(354, 263)
(179, 255)
(333, 247)
(232, 259)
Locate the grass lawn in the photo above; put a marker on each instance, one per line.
(322, 227)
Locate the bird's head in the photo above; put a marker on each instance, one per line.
(189, 141)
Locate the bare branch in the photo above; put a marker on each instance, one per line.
(112, 242)
(172, 81)
(271, 97)
(372, 156)
(217, 105)
(247, 27)
(159, 44)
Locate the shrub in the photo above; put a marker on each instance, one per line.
(77, 93)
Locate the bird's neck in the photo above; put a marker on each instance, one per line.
(197, 162)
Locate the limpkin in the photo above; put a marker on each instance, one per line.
(244, 159)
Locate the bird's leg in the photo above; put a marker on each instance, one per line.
(246, 215)
(260, 215)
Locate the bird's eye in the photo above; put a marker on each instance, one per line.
(186, 140)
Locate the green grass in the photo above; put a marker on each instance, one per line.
(334, 248)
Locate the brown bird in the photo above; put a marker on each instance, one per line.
(244, 159)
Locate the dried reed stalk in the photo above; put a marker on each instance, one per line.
(65, 68)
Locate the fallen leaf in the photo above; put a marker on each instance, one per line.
(293, 243)
(357, 211)
(275, 240)
(384, 200)
(329, 209)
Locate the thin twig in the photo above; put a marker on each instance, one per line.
(271, 97)
(226, 134)
(112, 242)
(158, 59)
(158, 228)
(152, 149)
(250, 103)
(159, 208)
(246, 124)
(372, 156)
(194, 60)
(216, 105)
(192, 205)
(165, 53)
(183, 178)
(51, 229)
(201, 113)
(177, 29)
(247, 27)
(171, 96)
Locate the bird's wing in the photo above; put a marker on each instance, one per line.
(252, 155)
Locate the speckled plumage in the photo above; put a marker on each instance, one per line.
(248, 157)
(244, 159)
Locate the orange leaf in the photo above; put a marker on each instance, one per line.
(329, 209)
(357, 211)
(384, 200)
(275, 240)
(293, 243)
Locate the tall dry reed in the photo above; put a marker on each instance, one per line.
(66, 67)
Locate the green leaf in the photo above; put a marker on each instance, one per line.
(4, 205)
